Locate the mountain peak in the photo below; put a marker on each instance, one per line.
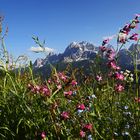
(75, 51)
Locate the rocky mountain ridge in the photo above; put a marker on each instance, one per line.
(73, 53)
(76, 52)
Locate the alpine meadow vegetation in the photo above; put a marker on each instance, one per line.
(102, 106)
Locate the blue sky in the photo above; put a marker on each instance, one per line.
(60, 22)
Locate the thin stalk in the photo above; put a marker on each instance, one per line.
(117, 51)
(13, 84)
(136, 69)
(5, 54)
(137, 80)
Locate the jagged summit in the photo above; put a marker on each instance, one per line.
(79, 51)
(81, 46)
(75, 51)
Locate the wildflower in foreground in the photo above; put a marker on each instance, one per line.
(128, 77)
(59, 86)
(137, 16)
(134, 37)
(65, 115)
(134, 23)
(89, 137)
(68, 93)
(102, 48)
(119, 76)
(112, 64)
(110, 54)
(122, 36)
(82, 134)
(43, 135)
(36, 89)
(99, 78)
(81, 107)
(73, 83)
(45, 90)
(119, 88)
(87, 127)
(62, 76)
(126, 28)
(49, 81)
(105, 42)
(91, 97)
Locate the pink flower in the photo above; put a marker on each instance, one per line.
(112, 64)
(45, 90)
(105, 42)
(134, 23)
(81, 107)
(122, 36)
(59, 86)
(82, 134)
(103, 48)
(118, 68)
(62, 76)
(134, 37)
(99, 78)
(87, 127)
(69, 93)
(36, 89)
(137, 15)
(65, 115)
(110, 54)
(73, 83)
(43, 135)
(49, 81)
(119, 76)
(119, 88)
(126, 28)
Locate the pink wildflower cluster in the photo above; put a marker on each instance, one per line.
(86, 128)
(62, 76)
(65, 115)
(73, 82)
(68, 93)
(118, 76)
(109, 52)
(112, 64)
(124, 32)
(42, 89)
(81, 107)
(60, 79)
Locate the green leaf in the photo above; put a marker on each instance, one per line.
(5, 128)
(19, 124)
